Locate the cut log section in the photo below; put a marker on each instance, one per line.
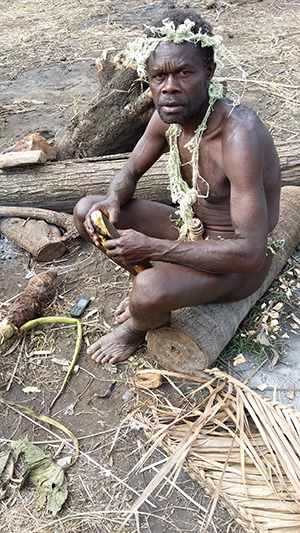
(198, 335)
(58, 186)
(63, 220)
(35, 236)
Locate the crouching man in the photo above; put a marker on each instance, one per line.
(224, 171)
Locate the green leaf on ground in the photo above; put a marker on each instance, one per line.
(7, 464)
(41, 470)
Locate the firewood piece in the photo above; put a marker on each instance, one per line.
(33, 141)
(198, 334)
(63, 220)
(16, 159)
(146, 380)
(29, 304)
(59, 185)
(35, 236)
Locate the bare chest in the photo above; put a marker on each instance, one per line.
(211, 175)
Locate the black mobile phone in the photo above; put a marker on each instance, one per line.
(79, 307)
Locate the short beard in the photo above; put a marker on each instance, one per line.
(189, 111)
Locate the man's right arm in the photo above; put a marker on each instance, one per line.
(147, 151)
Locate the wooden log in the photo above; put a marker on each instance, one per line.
(36, 236)
(17, 159)
(58, 186)
(63, 220)
(198, 335)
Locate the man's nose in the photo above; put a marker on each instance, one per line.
(171, 84)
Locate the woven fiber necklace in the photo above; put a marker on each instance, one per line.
(181, 193)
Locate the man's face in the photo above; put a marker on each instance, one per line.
(178, 81)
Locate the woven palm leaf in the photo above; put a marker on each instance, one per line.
(236, 444)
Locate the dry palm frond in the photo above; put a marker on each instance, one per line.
(236, 444)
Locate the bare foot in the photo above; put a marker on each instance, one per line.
(117, 345)
(122, 312)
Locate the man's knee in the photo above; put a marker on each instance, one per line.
(146, 296)
(83, 206)
(80, 211)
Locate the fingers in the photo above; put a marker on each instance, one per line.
(112, 244)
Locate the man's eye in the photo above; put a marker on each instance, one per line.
(184, 73)
(158, 76)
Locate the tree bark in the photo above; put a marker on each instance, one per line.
(59, 185)
(198, 335)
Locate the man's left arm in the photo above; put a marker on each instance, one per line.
(243, 162)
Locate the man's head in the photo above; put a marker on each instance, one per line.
(177, 26)
(179, 45)
(179, 80)
(178, 17)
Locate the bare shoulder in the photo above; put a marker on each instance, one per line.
(248, 146)
(240, 124)
(156, 127)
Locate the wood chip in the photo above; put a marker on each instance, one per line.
(147, 380)
(239, 359)
(15, 159)
(262, 387)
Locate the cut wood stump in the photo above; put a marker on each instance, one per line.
(35, 236)
(59, 185)
(198, 335)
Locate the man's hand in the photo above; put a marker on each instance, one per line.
(110, 208)
(131, 248)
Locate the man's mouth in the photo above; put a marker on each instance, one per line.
(171, 107)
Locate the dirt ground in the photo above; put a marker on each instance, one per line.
(47, 73)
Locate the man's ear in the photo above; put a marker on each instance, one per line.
(210, 70)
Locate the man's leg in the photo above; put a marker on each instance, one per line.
(156, 292)
(150, 218)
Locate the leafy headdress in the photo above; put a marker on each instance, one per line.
(138, 54)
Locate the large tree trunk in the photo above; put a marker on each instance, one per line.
(114, 120)
(198, 335)
(58, 186)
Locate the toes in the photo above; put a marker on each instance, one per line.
(122, 306)
(122, 317)
(105, 354)
(122, 312)
(97, 357)
(94, 348)
(116, 346)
